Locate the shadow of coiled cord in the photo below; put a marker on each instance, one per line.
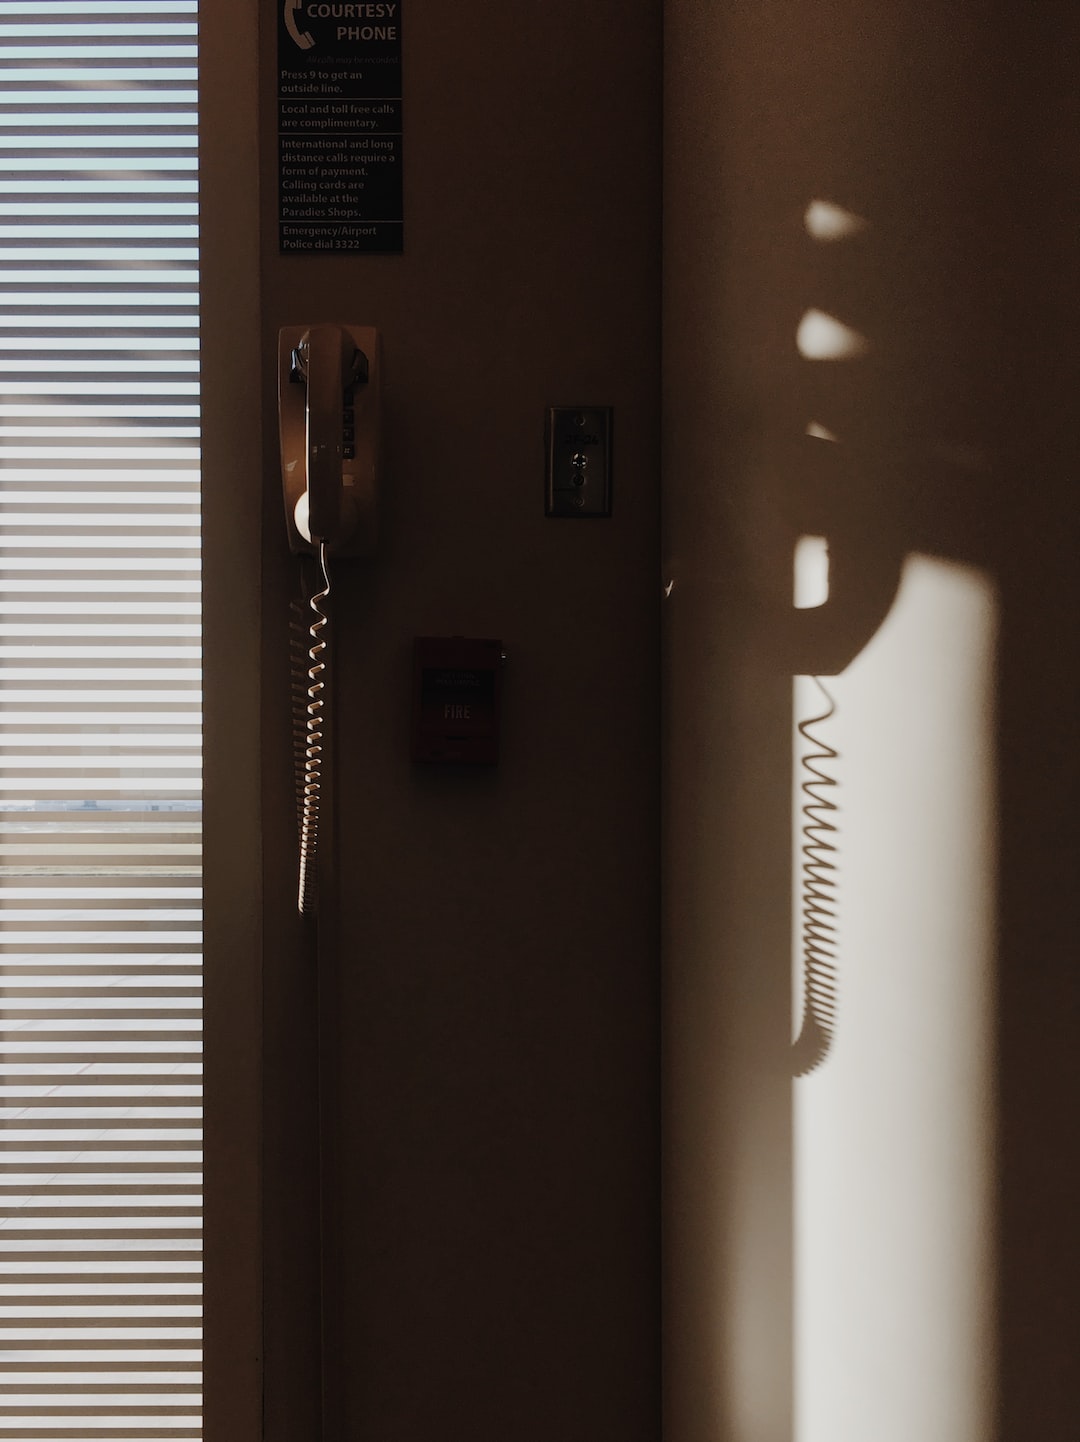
(817, 896)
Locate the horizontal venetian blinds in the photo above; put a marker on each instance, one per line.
(99, 723)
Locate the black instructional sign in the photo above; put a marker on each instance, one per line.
(339, 127)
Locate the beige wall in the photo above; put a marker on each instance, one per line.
(491, 996)
(952, 132)
(494, 1006)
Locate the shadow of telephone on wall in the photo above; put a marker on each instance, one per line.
(880, 480)
(878, 323)
(907, 452)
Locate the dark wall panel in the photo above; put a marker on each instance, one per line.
(491, 992)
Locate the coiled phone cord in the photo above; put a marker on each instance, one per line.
(310, 769)
(817, 895)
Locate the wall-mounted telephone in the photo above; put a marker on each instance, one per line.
(328, 408)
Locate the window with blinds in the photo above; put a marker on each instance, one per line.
(99, 722)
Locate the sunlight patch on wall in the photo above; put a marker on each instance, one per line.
(826, 221)
(822, 337)
(894, 1160)
(811, 569)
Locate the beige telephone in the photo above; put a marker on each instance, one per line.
(328, 409)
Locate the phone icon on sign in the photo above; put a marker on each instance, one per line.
(300, 37)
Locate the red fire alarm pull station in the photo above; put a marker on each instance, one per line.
(456, 694)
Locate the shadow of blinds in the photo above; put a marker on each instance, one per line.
(99, 722)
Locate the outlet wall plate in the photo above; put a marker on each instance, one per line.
(578, 440)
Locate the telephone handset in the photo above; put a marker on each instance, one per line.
(328, 407)
(328, 400)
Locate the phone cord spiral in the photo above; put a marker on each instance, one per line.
(817, 896)
(312, 745)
